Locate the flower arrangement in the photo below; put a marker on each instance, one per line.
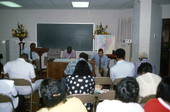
(20, 32)
(101, 30)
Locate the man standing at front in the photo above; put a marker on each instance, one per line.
(101, 63)
(122, 68)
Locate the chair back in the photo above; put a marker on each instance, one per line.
(85, 98)
(147, 98)
(103, 81)
(5, 98)
(25, 82)
(109, 95)
(116, 81)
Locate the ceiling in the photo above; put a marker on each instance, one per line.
(66, 4)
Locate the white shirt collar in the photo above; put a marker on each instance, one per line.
(21, 59)
(163, 103)
(120, 61)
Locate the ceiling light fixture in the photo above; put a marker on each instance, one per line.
(9, 4)
(80, 4)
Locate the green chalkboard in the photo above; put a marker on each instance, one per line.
(79, 36)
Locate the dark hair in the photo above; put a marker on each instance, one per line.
(32, 45)
(127, 90)
(83, 55)
(163, 90)
(24, 56)
(120, 53)
(82, 68)
(100, 50)
(69, 47)
(51, 92)
(144, 68)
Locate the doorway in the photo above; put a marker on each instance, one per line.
(165, 48)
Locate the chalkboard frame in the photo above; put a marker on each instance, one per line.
(85, 43)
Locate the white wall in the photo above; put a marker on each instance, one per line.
(29, 18)
(147, 31)
(135, 36)
(155, 36)
(165, 11)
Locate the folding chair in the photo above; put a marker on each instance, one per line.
(104, 81)
(85, 98)
(146, 98)
(5, 98)
(25, 82)
(116, 81)
(109, 95)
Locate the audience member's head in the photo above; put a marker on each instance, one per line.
(69, 49)
(127, 90)
(120, 53)
(24, 56)
(143, 55)
(82, 68)
(83, 55)
(51, 92)
(32, 45)
(100, 52)
(163, 90)
(144, 68)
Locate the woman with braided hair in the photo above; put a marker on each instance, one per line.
(55, 99)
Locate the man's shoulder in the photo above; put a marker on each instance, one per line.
(129, 63)
(11, 62)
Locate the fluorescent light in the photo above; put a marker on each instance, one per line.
(10, 4)
(80, 4)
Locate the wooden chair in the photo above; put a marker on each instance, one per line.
(5, 98)
(109, 95)
(25, 82)
(85, 98)
(146, 98)
(104, 81)
(116, 81)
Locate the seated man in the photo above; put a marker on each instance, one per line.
(101, 63)
(20, 68)
(55, 99)
(122, 68)
(69, 53)
(30, 53)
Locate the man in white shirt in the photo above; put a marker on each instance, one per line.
(20, 68)
(30, 53)
(122, 68)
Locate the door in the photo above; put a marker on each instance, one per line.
(165, 48)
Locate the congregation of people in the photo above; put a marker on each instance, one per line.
(137, 81)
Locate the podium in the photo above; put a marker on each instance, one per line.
(40, 52)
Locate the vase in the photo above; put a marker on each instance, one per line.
(21, 39)
(21, 47)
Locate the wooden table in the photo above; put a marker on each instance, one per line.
(56, 69)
